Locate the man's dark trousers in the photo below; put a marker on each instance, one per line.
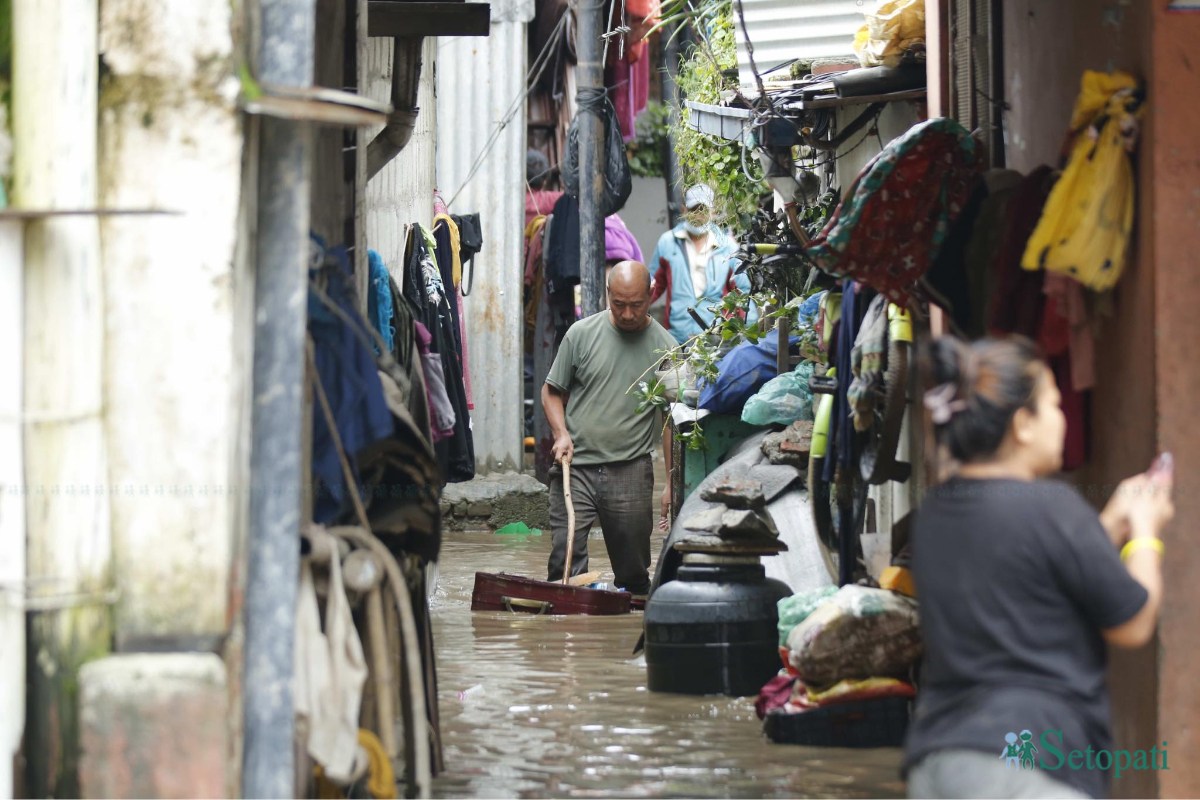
(620, 496)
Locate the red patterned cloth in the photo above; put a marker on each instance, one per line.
(891, 224)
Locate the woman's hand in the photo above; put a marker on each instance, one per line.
(1140, 506)
(1149, 510)
(1115, 516)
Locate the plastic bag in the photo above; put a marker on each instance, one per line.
(859, 632)
(782, 400)
(890, 31)
(618, 180)
(795, 609)
(740, 373)
(678, 379)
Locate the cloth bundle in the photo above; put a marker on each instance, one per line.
(899, 210)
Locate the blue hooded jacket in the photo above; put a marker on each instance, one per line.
(673, 277)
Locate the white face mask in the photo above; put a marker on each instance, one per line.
(696, 220)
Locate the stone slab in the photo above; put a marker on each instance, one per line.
(154, 725)
(495, 500)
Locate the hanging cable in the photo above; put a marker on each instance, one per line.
(531, 80)
(762, 91)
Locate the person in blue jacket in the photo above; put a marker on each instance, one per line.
(694, 265)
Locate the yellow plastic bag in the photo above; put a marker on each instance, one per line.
(894, 27)
(1085, 227)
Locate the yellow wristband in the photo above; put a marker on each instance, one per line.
(1153, 542)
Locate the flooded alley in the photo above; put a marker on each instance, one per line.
(558, 707)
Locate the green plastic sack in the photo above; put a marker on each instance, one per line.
(782, 400)
(795, 609)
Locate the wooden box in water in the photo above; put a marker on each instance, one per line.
(500, 592)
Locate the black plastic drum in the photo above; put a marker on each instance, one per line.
(714, 629)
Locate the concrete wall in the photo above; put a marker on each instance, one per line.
(645, 214)
(1147, 381)
(1046, 48)
(895, 119)
(67, 519)
(12, 504)
(1174, 207)
(171, 138)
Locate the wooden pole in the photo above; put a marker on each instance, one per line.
(566, 466)
(55, 97)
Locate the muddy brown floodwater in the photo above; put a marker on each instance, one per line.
(535, 706)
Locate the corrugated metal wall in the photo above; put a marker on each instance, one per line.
(402, 192)
(782, 30)
(478, 81)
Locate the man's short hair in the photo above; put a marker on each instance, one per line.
(608, 268)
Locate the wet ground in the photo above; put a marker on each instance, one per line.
(558, 707)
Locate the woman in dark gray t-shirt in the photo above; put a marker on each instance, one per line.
(1021, 585)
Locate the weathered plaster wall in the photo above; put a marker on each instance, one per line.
(1046, 48)
(171, 139)
(1175, 252)
(1147, 381)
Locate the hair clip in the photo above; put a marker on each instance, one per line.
(941, 403)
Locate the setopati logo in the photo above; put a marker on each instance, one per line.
(1049, 753)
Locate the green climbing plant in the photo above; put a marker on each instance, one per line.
(647, 151)
(700, 356)
(708, 69)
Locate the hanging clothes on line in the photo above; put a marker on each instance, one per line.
(548, 316)
(379, 299)
(424, 289)
(441, 410)
(466, 240)
(445, 246)
(345, 366)
(1016, 297)
(561, 255)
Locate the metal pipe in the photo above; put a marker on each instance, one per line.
(55, 62)
(590, 99)
(285, 58)
(12, 509)
(406, 81)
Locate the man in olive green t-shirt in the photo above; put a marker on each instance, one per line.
(597, 429)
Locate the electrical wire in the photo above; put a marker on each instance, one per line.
(762, 91)
(531, 79)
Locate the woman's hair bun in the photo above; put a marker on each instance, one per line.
(974, 389)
